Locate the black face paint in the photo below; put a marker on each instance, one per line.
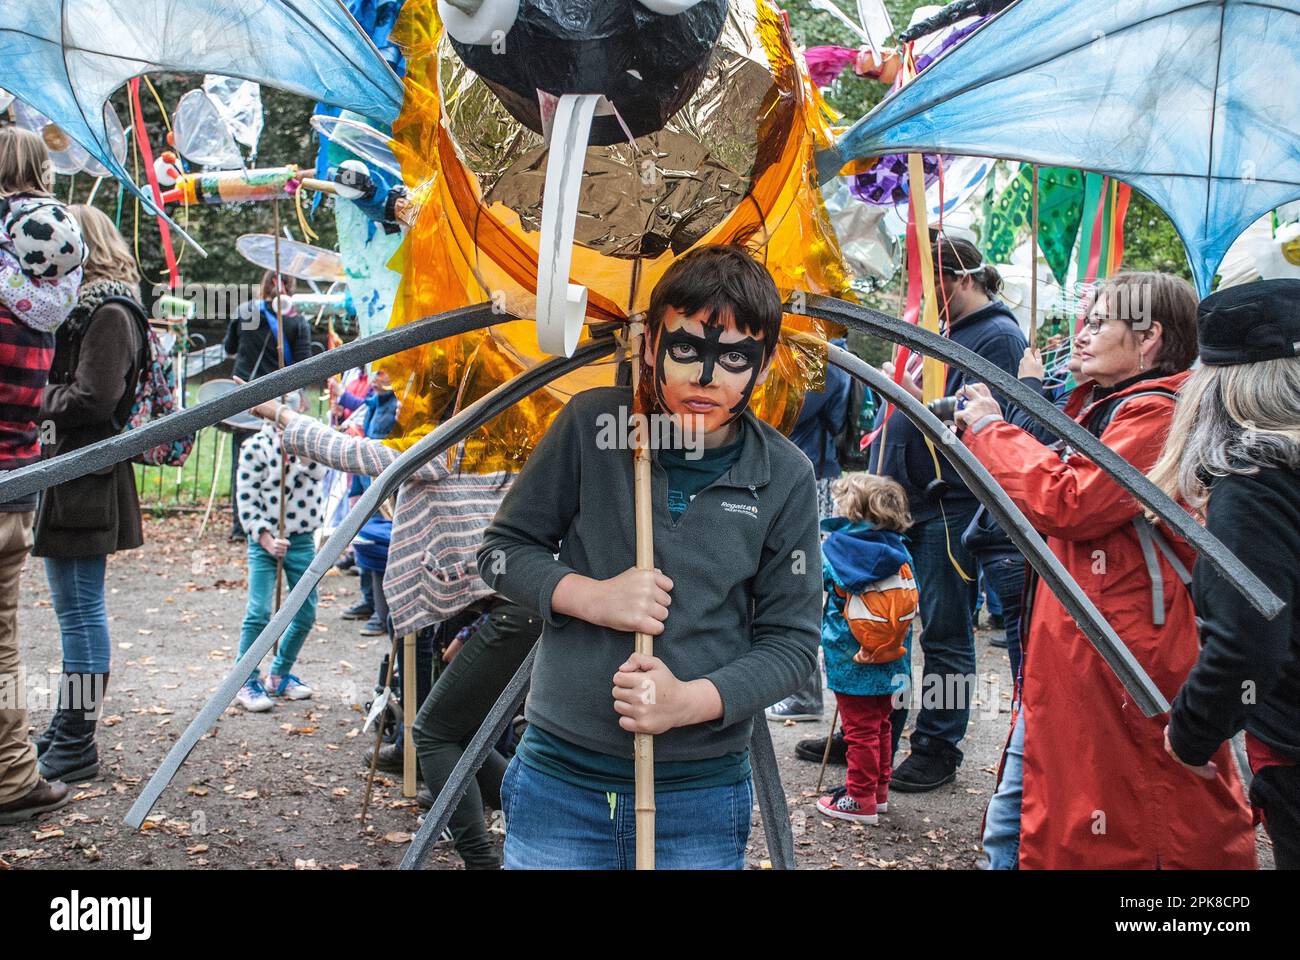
(679, 346)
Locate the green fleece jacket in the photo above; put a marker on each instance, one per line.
(744, 560)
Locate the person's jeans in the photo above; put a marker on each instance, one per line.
(947, 641)
(456, 708)
(986, 592)
(1002, 820)
(17, 754)
(1005, 578)
(77, 592)
(553, 825)
(261, 596)
(868, 745)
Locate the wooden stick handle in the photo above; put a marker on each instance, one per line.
(409, 706)
(643, 754)
(1033, 271)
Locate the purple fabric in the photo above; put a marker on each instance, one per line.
(885, 184)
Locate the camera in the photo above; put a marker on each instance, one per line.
(945, 408)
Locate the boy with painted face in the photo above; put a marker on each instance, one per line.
(734, 604)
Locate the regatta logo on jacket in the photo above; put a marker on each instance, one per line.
(749, 509)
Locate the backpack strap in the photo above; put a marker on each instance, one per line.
(1106, 410)
(120, 415)
(1152, 541)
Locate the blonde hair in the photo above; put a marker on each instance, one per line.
(1230, 419)
(878, 500)
(24, 163)
(107, 255)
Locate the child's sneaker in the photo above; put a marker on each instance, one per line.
(843, 807)
(252, 697)
(289, 687)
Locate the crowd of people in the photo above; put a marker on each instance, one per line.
(767, 551)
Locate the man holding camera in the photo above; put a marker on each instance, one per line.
(942, 508)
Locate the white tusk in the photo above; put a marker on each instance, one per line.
(668, 8)
(561, 305)
(478, 21)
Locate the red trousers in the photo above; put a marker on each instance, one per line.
(867, 739)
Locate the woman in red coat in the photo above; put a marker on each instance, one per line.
(1099, 790)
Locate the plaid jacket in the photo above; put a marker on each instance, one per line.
(25, 358)
(438, 524)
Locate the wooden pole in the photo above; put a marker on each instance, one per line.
(279, 346)
(643, 743)
(379, 732)
(826, 754)
(1033, 270)
(409, 706)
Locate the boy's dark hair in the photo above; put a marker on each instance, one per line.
(726, 281)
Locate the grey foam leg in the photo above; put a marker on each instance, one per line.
(105, 453)
(1124, 473)
(445, 436)
(1146, 695)
(435, 821)
(771, 797)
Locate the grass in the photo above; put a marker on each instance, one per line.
(189, 486)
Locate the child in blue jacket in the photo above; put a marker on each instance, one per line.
(871, 601)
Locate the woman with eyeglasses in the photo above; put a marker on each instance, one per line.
(1099, 790)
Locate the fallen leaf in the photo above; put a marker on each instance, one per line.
(299, 864)
(349, 866)
(247, 795)
(197, 791)
(39, 835)
(111, 721)
(197, 849)
(395, 837)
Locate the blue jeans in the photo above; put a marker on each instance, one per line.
(1002, 820)
(77, 592)
(947, 640)
(261, 595)
(1005, 579)
(553, 825)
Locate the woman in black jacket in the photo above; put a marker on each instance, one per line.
(1233, 455)
(100, 352)
(253, 339)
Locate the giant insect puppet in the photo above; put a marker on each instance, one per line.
(462, 343)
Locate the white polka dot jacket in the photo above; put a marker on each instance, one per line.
(258, 488)
(438, 523)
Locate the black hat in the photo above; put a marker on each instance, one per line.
(1250, 323)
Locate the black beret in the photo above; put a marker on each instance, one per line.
(1250, 323)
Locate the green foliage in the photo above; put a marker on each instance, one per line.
(1151, 242)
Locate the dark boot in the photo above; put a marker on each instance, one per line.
(48, 736)
(926, 767)
(814, 749)
(72, 755)
(51, 732)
